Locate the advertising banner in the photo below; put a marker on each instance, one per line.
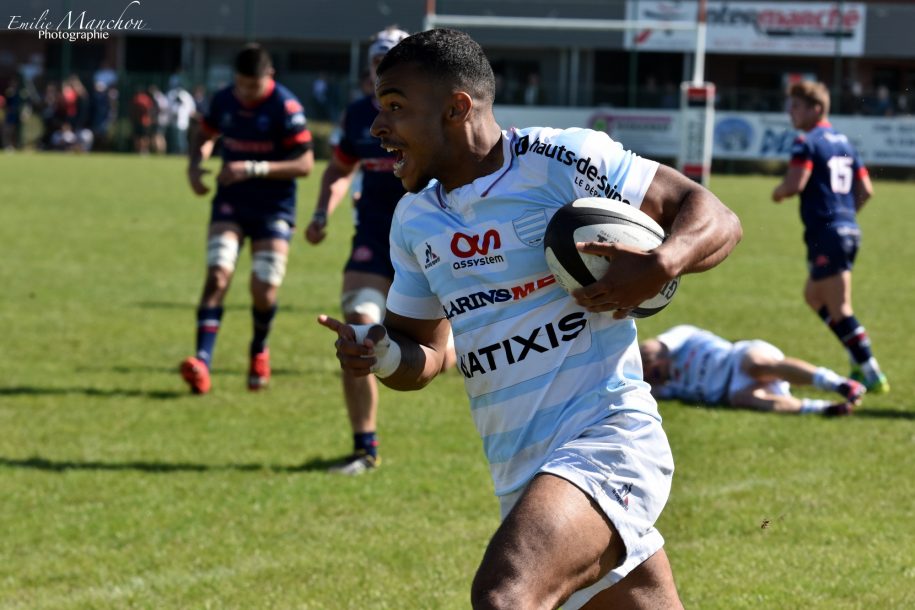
(751, 28)
(881, 141)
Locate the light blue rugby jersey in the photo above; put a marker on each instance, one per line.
(537, 367)
(702, 364)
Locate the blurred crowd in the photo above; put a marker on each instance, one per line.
(161, 122)
(74, 117)
(148, 119)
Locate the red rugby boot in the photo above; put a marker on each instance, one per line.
(259, 371)
(197, 375)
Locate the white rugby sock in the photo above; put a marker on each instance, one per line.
(813, 405)
(826, 379)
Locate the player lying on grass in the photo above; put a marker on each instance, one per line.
(695, 365)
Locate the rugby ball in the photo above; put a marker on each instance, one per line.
(602, 220)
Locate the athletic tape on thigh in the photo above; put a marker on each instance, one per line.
(367, 302)
(269, 266)
(222, 251)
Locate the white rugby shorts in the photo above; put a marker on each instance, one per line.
(740, 380)
(625, 465)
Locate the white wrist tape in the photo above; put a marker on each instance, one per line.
(387, 351)
(257, 169)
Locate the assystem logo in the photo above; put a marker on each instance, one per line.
(477, 251)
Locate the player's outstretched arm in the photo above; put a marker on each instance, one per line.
(404, 353)
(864, 190)
(335, 182)
(794, 182)
(199, 151)
(290, 169)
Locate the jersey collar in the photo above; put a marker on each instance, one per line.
(271, 85)
(480, 188)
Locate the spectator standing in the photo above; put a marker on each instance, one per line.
(161, 114)
(101, 114)
(181, 109)
(141, 120)
(16, 100)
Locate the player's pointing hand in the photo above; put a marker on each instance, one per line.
(355, 356)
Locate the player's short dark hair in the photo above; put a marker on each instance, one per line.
(253, 60)
(448, 56)
(812, 93)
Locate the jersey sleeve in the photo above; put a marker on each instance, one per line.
(210, 122)
(410, 294)
(296, 137)
(858, 166)
(801, 153)
(577, 163)
(617, 173)
(345, 150)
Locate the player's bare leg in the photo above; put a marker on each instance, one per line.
(220, 266)
(833, 292)
(223, 239)
(268, 269)
(831, 296)
(764, 366)
(761, 400)
(361, 393)
(651, 585)
(556, 541)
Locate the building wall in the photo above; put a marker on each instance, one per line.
(583, 67)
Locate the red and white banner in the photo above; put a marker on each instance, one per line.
(751, 28)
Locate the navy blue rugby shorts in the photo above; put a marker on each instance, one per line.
(832, 251)
(255, 225)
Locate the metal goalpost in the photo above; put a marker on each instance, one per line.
(697, 97)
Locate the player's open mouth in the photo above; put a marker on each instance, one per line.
(399, 160)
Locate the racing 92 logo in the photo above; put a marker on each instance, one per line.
(465, 246)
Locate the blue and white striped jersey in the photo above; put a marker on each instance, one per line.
(701, 365)
(537, 367)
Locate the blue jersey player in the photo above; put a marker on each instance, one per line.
(834, 184)
(368, 273)
(573, 437)
(265, 146)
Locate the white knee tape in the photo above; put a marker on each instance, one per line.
(368, 302)
(387, 351)
(222, 251)
(269, 266)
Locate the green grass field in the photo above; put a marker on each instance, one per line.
(120, 490)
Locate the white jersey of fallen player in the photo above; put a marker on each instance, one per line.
(701, 365)
(537, 367)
